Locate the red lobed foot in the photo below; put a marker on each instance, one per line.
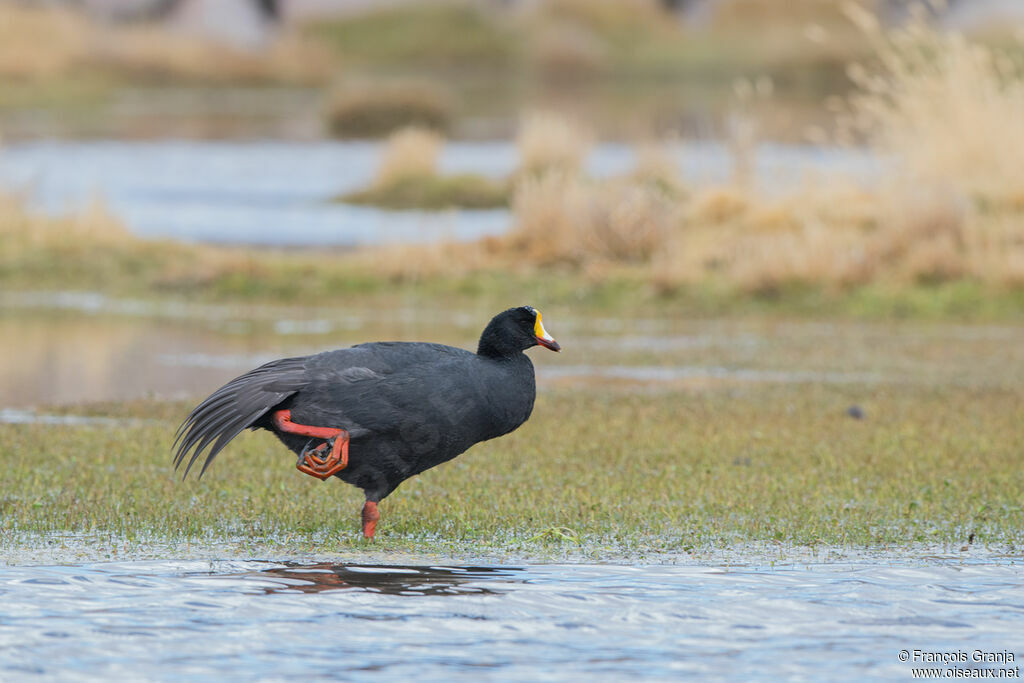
(312, 461)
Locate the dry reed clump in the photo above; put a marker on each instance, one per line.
(563, 218)
(377, 111)
(717, 206)
(409, 153)
(828, 235)
(949, 111)
(948, 115)
(549, 142)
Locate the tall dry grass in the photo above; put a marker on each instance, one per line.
(945, 117)
(547, 141)
(950, 111)
(563, 218)
(409, 153)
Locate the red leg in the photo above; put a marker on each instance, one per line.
(370, 518)
(310, 462)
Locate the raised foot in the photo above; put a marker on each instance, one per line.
(325, 460)
(313, 461)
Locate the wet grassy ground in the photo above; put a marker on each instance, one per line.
(603, 468)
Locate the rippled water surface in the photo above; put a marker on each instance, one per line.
(248, 619)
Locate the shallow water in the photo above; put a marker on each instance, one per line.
(74, 348)
(278, 193)
(268, 620)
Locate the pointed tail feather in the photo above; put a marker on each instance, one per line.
(238, 404)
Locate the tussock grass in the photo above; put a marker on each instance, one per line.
(407, 178)
(612, 470)
(380, 110)
(409, 153)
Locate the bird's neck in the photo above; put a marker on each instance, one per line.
(493, 349)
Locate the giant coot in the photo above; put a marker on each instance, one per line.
(375, 414)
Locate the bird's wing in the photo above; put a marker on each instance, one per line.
(235, 406)
(379, 387)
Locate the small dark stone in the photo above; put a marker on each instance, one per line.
(856, 412)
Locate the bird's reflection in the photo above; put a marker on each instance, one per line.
(388, 580)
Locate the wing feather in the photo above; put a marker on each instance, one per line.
(238, 404)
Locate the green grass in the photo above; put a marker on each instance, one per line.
(464, 190)
(597, 472)
(417, 35)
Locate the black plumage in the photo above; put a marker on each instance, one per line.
(405, 406)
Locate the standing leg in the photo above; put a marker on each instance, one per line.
(370, 518)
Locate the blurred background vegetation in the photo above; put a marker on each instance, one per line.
(920, 105)
(628, 67)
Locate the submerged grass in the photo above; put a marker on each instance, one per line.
(611, 471)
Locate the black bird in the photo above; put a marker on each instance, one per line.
(375, 414)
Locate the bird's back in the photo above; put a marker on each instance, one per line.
(409, 389)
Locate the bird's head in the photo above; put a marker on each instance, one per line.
(515, 330)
